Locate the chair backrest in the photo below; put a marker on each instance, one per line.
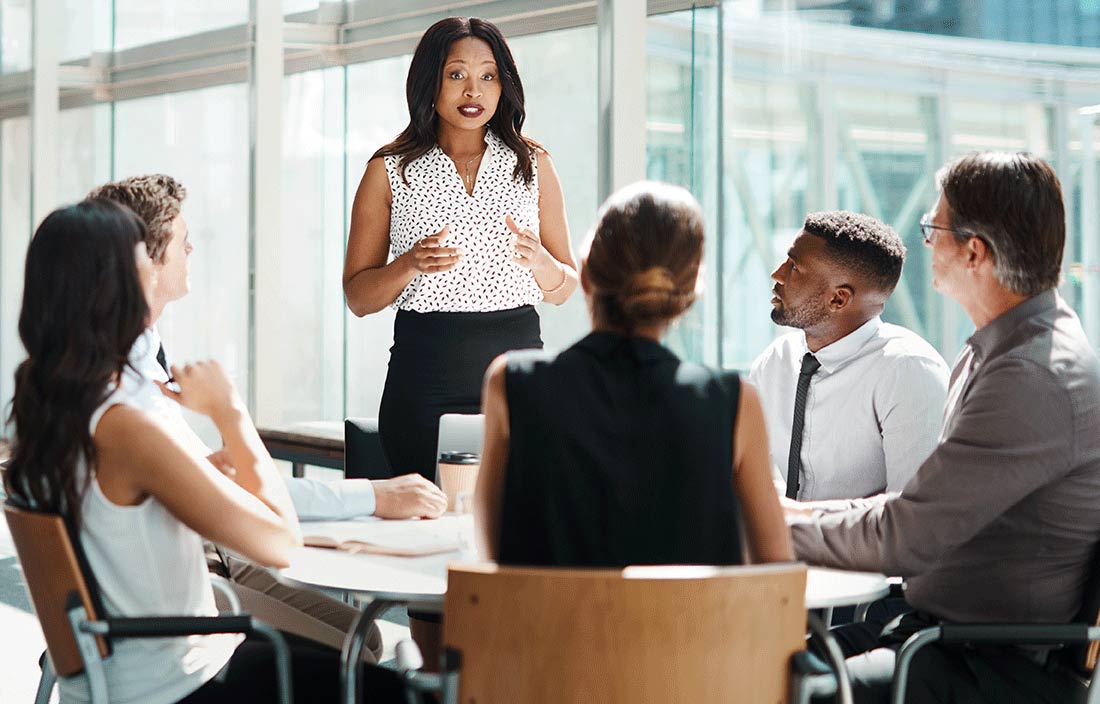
(364, 457)
(54, 576)
(459, 432)
(643, 634)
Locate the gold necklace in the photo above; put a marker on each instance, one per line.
(468, 179)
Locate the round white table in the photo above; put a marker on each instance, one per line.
(379, 582)
(422, 581)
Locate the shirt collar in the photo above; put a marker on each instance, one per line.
(986, 340)
(833, 355)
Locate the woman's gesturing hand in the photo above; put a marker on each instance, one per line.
(526, 245)
(204, 387)
(429, 256)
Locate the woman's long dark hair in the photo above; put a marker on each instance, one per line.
(425, 78)
(83, 308)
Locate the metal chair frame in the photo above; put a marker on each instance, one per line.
(88, 629)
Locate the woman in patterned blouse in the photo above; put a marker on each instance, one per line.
(459, 224)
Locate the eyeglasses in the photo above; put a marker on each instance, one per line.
(928, 231)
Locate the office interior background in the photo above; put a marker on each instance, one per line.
(765, 109)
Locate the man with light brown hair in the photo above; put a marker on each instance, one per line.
(157, 199)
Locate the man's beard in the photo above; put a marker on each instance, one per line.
(807, 316)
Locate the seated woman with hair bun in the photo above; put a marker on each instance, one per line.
(615, 452)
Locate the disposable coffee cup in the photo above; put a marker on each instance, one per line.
(457, 474)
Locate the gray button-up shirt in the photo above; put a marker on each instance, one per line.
(1001, 521)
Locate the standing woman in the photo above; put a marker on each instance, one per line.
(472, 213)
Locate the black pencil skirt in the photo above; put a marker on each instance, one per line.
(437, 363)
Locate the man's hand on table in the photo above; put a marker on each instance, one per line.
(408, 496)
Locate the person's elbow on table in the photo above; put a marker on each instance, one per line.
(408, 496)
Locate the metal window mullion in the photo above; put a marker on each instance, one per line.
(621, 94)
(44, 106)
(1090, 229)
(949, 320)
(265, 222)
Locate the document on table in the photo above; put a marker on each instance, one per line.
(410, 538)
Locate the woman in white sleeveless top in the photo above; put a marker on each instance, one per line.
(90, 449)
(458, 223)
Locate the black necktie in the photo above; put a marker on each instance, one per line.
(163, 361)
(794, 459)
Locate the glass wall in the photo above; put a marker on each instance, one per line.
(822, 116)
(200, 138)
(140, 22)
(15, 224)
(765, 116)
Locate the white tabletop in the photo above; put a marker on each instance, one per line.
(422, 581)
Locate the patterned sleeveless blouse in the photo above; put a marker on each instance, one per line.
(486, 279)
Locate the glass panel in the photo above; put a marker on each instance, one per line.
(290, 6)
(146, 21)
(864, 125)
(86, 28)
(84, 150)
(368, 339)
(15, 224)
(888, 147)
(557, 69)
(681, 143)
(312, 248)
(200, 138)
(15, 35)
(766, 176)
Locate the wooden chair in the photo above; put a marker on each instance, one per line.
(643, 634)
(1077, 644)
(63, 591)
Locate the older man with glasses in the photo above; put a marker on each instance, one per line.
(1000, 523)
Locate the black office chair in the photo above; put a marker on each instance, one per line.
(1077, 644)
(363, 454)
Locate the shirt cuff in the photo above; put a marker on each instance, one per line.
(316, 500)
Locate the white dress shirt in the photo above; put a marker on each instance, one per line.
(873, 413)
(313, 499)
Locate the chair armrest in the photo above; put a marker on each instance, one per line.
(1018, 633)
(169, 626)
(173, 626)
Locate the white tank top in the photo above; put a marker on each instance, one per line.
(146, 563)
(487, 279)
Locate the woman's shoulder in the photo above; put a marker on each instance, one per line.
(528, 362)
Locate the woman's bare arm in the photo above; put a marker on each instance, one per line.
(555, 260)
(769, 539)
(136, 453)
(371, 284)
(488, 494)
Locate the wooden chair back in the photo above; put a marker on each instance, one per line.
(643, 634)
(52, 570)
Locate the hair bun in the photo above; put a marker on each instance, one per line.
(652, 296)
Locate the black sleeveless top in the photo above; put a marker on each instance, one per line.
(619, 454)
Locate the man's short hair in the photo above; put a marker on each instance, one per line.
(1013, 202)
(156, 199)
(865, 246)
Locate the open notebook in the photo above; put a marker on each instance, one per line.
(409, 538)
